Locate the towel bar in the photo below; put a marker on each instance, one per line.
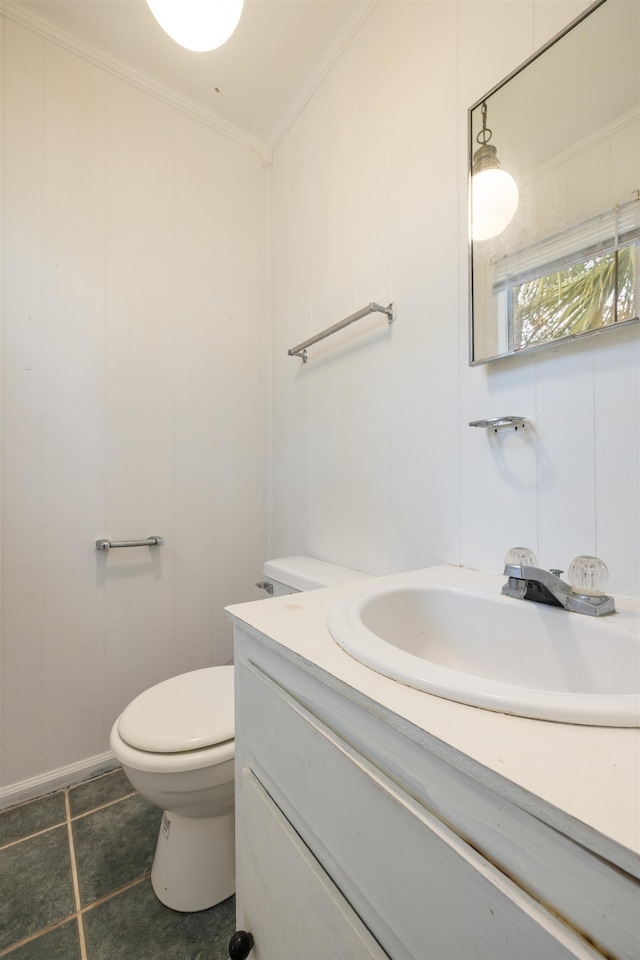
(301, 349)
(110, 544)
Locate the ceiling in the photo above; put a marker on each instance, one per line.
(280, 49)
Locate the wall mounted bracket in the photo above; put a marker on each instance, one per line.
(500, 423)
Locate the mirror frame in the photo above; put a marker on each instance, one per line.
(569, 338)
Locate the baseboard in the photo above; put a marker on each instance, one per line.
(56, 779)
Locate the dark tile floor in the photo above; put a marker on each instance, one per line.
(74, 882)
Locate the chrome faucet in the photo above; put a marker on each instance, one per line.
(585, 595)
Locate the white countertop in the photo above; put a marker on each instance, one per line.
(590, 773)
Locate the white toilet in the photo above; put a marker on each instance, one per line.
(176, 745)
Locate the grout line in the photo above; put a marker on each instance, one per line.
(114, 893)
(79, 909)
(102, 806)
(30, 836)
(71, 817)
(74, 877)
(5, 951)
(78, 915)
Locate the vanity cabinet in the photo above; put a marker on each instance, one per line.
(291, 905)
(359, 835)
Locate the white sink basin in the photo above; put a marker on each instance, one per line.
(450, 632)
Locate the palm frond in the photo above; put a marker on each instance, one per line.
(588, 295)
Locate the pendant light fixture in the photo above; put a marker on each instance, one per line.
(494, 193)
(197, 24)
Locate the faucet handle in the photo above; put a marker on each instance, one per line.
(520, 557)
(588, 576)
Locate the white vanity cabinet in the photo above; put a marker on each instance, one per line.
(290, 904)
(360, 835)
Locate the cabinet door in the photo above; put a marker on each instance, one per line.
(286, 900)
(420, 889)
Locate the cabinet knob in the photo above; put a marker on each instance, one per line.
(240, 945)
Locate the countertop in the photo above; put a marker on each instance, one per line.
(591, 774)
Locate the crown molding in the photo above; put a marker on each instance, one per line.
(305, 93)
(599, 136)
(13, 11)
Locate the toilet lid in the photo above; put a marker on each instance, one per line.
(186, 712)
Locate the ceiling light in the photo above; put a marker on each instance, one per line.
(197, 24)
(494, 193)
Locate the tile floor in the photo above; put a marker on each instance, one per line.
(74, 882)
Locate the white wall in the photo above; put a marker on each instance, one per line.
(133, 311)
(132, 400)
(373, 463)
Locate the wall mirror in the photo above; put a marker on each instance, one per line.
(556, 253)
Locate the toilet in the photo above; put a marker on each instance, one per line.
(175, 743)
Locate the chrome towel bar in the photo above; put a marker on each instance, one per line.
(149, 542)
(301, 349)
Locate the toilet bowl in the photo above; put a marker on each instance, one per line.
(175, 743)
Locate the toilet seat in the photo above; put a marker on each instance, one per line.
(186, 713)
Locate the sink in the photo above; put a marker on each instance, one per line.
(450, 632)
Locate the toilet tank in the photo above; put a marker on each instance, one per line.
(294, 574)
